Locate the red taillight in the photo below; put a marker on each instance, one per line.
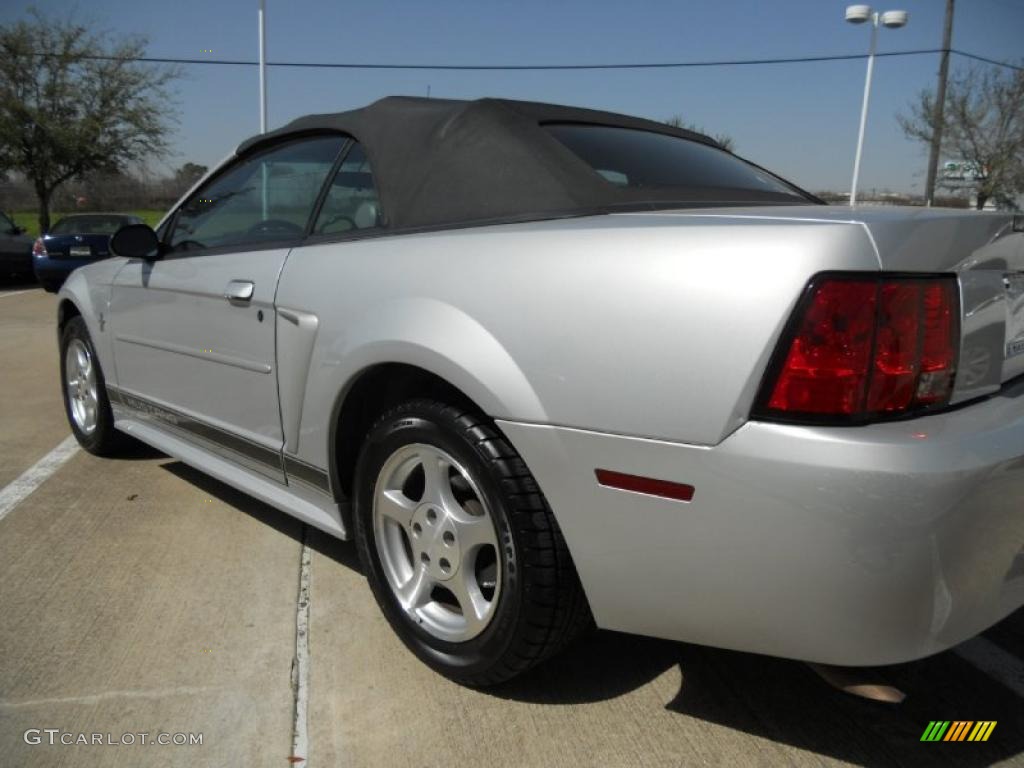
(861, 348)
(38, 247)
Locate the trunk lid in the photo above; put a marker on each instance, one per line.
(77, 246)
(941, 240)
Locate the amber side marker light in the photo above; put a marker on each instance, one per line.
(646, 485)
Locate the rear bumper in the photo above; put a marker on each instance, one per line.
(50, 269)
(854, 546)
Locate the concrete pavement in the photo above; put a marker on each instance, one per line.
(30, 375)
(137, 595)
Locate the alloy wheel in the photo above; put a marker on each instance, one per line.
(437, 542)
(80, 380)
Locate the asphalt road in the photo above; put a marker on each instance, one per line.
(136, 595)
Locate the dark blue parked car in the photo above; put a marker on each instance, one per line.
(81, 238)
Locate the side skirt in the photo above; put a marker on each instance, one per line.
(313, 508)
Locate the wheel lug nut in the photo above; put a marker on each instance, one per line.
(445, 565)
(431, 516)
(425, 558)
(417, 529)
(449, 538)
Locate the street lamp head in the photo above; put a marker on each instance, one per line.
(895, 19)
(858, 14)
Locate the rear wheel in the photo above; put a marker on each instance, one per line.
(460, 547)
(85, 392)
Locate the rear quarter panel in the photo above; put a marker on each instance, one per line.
(655, 326)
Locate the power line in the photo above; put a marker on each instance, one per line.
(504, 67)
(538, 67)
(976, 57)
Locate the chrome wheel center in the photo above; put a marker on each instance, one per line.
(80, 380)
(437, 542)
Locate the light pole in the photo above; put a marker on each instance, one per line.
(858, 14)
(263, 97)
(263, 66)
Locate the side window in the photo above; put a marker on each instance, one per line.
(351, 201)
(5, 224)
(265, 198)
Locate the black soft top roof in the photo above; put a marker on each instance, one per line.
(443, 162)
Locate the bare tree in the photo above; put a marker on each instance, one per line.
(188, 174)
(676, 121)
(984, 128)
(71, 104)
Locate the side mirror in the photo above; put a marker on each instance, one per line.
(136, 241)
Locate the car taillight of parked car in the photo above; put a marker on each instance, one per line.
(862, 348)
(39, 247)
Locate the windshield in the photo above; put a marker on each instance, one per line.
(644, 160)
(91, 225)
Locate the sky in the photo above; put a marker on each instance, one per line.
(799, 120)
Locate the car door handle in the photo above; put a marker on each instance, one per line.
(239, 290)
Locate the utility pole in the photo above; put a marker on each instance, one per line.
(940, 102)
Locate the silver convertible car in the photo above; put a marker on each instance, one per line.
(550, 367)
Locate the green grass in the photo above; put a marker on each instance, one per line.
(30, 219)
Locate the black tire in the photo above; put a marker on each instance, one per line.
(541, 606)
(104, 440)
(51, 286)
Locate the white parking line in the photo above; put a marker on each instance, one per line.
(300, 681)
(17, 293)
(16, 492)
(994, 662)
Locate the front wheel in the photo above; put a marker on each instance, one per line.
(85, 392)
(460, 548)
